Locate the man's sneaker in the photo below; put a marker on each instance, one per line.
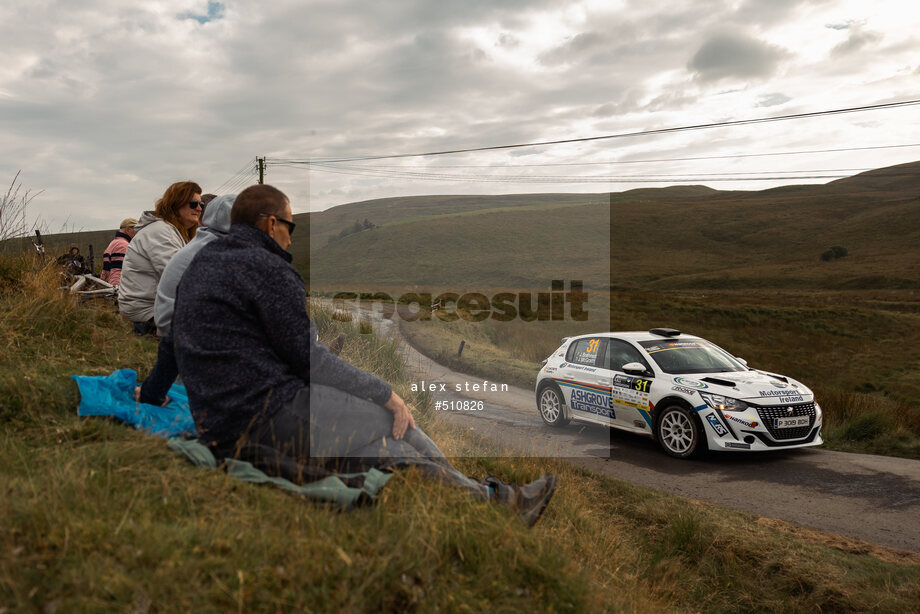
(336, 345)
(529, 500)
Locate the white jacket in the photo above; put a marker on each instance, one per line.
(154, 244)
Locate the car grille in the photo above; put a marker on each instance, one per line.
(769, 414)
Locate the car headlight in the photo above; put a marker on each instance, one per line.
(717, 401)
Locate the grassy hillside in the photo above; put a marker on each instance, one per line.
(98, 517)
(683, 237)
(661, 239)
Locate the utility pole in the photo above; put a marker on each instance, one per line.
(261, 162)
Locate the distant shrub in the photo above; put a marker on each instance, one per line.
(355, 228)
(868, 427)
(837, 251)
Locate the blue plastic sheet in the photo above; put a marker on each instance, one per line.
(113, 395)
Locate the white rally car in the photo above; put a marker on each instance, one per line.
(687, 393)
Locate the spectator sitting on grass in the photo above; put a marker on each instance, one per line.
(262, 388)
(114, 256)
(160, 234)
(73, 262)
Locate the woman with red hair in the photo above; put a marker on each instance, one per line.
(160, 234)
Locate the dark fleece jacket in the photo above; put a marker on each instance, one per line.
(244, 343)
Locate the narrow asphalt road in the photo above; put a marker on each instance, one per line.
(867, 497)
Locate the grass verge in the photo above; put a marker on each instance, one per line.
(95, 516)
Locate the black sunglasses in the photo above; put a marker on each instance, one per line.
(196, 204)
(291, 225)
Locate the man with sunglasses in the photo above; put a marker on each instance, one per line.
(262, 388)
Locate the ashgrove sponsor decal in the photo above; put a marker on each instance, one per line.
(592, 403)
(748, 423)
(683, 389)
(690, 383)
(714, 421)
(476, 307)
(737, 444)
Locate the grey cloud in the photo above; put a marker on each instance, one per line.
(772, 100)
(508, 41)
(770, 12)
(574, 48)
(858, 39)
(729, 54)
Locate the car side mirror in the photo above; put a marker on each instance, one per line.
(634, 368)
(741, 360)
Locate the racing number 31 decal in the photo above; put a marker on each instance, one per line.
(642, 385)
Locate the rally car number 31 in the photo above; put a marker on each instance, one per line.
(687, 393)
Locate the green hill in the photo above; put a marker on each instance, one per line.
(661, 239)
(665, 238)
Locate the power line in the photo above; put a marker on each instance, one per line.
(613, 162)
(569, 179)
(740, 122)
(236, 176)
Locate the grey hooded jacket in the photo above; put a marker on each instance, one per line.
(215, 224)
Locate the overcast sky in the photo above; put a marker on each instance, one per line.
(104, 103)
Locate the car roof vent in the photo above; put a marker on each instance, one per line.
(665, 332)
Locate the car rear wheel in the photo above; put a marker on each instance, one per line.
(679, 433)
(550, 406)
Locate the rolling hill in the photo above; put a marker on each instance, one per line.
(659, 239)
(677, 237)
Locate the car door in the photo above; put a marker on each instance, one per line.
(585, 382)
(629, 393)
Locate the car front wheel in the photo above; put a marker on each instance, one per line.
(679, 432)
(550, 405)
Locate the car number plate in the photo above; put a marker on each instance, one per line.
(790, 423)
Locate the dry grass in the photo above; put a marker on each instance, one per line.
(97, 517)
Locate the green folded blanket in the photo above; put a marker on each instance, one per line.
(361, 488)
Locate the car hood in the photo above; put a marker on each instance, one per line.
(757, 387)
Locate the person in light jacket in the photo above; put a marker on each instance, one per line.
(160, 234)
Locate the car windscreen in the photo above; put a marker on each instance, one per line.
(690, 356)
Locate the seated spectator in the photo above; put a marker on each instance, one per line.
(215, 224)
(73, 262)
(160, 234)
(114, 255)
(262, 388)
